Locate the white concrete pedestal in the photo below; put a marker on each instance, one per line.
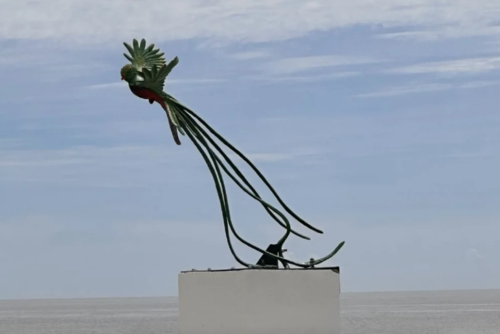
(254, 301)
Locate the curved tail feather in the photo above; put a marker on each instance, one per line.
(173, 128)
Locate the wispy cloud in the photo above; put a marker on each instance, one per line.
(491, 46)
(302, 64)
(84, 165)
(249, 55)
(275, 157)
(452, 67)
(243, 21)
(427, 88)
(27, 57)
(121, 84)
(267, 78)
(146, 230)
(478, 84)
(111, 85)
(56, 231)
(46, 62)
(303, 78)
(114, 166)
(445, 32)
(405, 90)
(10, 143)
(197, 81)
(474, 256)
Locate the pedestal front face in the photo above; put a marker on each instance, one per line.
(251, 301)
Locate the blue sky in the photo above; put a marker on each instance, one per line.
(375, 121)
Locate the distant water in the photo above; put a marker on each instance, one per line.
(443, 312)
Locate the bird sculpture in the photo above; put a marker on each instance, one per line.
(146, 74)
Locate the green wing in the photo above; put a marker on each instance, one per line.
(154, 80)
(143, 57)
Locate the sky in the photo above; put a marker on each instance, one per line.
(375, 121)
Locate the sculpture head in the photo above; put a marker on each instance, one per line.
(129, 73)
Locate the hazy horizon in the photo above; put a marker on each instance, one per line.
(341, 294)
(379, 313)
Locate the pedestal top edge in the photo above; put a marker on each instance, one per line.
(334, 269)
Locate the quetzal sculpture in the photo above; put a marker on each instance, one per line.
(146, 75)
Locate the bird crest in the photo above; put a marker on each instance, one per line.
(142, 57)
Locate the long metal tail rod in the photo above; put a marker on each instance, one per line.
(199, 137)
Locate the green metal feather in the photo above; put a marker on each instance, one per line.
(142, 57)
(155, 77)
(154, 80)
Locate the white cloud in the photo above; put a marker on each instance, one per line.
(269, 78)
(94, 21)
(119, 166)
(473, 255)
(301, 64)
(36, 56)
(61, 229)
(197, 81)
(492, 46)
(86, 165)
(112, 85)
(121, 84)
(452, 67)
(303, 78)
(445, 32)
(47, 63)
(250, 55)
(274, 157)
(147, 230)
(427, 88)
(478, 84)
(404, 90)
(29, 227)
(10, 143)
